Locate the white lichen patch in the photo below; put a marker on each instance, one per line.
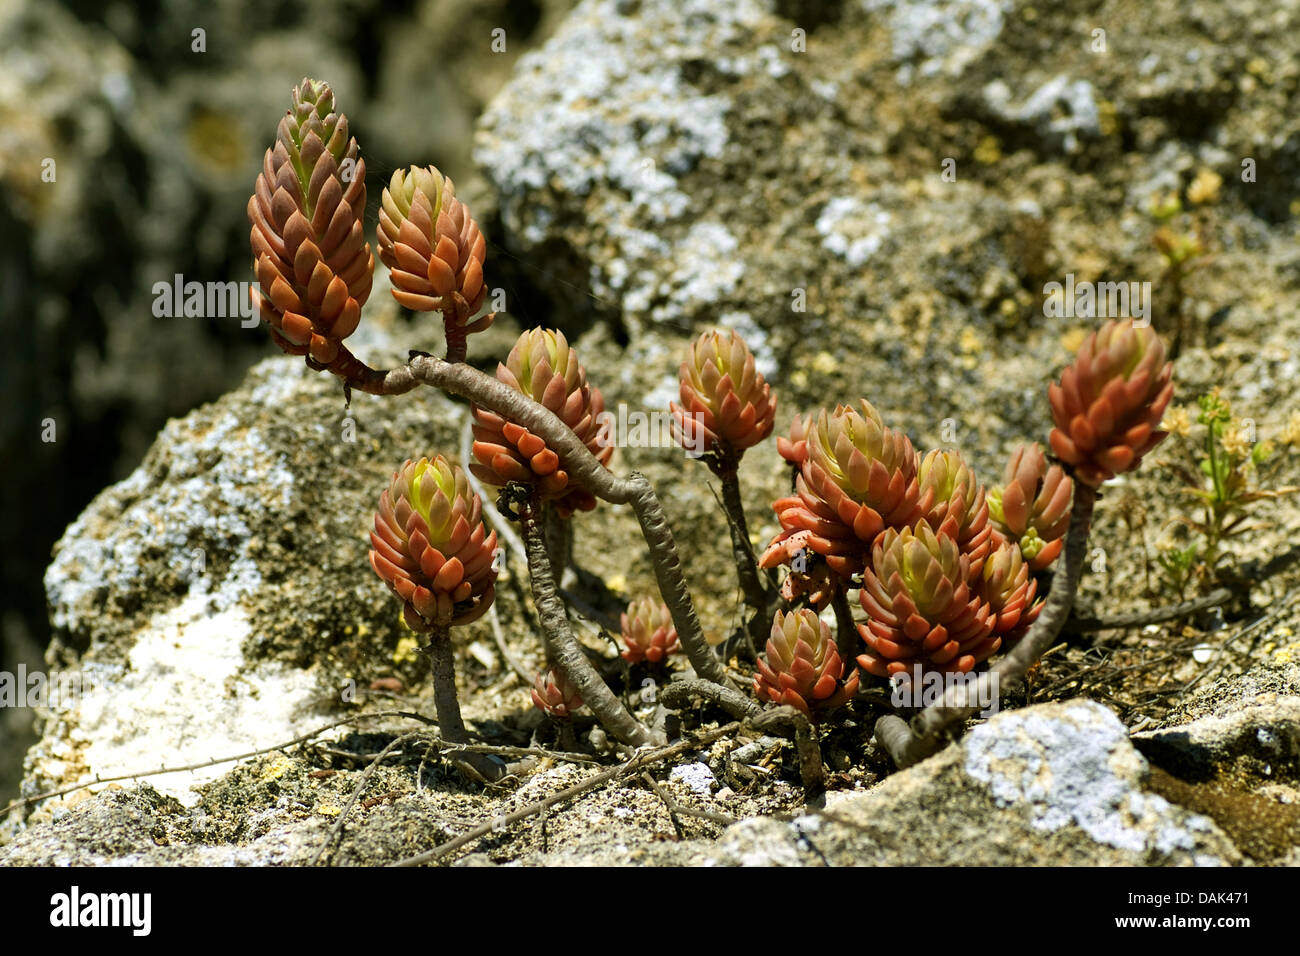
(1059, 111)
(186, 695)
(853, 230)
(939, 36)
(1077, 768)
(604, 112)
(178, 688)
(697, 776)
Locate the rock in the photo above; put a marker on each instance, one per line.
(1242, 726)
(219, 598)
(1055, 781)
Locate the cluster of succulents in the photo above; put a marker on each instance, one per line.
(944, 568)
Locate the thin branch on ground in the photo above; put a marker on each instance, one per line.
(336, 831)
(668, 804)
(499, 638)
(201, 765)
(1159, 615)
(638, 762)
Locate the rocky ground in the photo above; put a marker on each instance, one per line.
(656, 168)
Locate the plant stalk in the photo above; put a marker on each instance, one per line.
(562, 648)
(451, 727)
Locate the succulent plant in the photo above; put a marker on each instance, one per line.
(1009, 590)
(920, 607)
(431, 546)
(858, 478)
(554, 695)
(1109, 403)
(802, 667)
(1032, 508)
(726, 404)
(313, 263)
(957, 505)
(794, 448)
(434, 248)
(543, 367)
(648, 632)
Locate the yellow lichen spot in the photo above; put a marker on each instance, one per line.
(988, 151)
(362, 630)
(1204, 189)
(617, 582)
(1107, 118)
(1257, 66)
(328, 810)
(1008, 308)
(1072, 339)
(970, 342)
(1289, 654)
(1295, 207)
(275, 769)
(407, 650)
(824, 363)
(799, 378)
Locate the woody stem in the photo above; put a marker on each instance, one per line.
(585, 471)
(562, 648)
(451, 727)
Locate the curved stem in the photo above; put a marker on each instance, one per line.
(559, 540)
(751, 581)
(678, 694)
(786, 721)
(910, 745)
(672, 584)
(562, 647)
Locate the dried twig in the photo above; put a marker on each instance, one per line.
(1156, 615)
(64, 791)
(336, 831)
(639, 761)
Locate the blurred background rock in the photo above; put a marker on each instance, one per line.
(155, 147)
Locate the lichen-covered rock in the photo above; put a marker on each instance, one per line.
(219, 598)
(1245, 726)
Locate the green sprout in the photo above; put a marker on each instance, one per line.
(1226, 472)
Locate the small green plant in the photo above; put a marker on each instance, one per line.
(1226, 469)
